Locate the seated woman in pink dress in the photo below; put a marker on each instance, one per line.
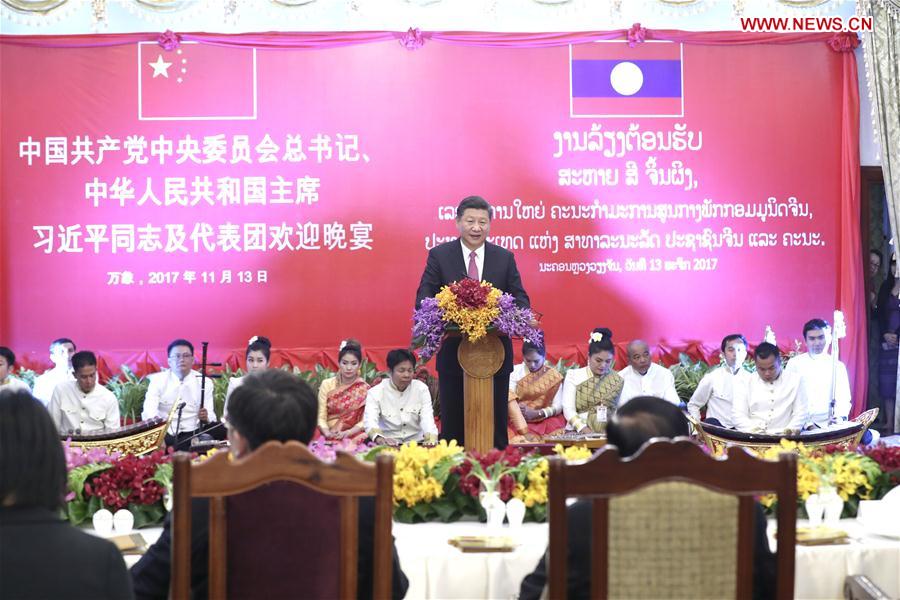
(342, 398)
(535, 397)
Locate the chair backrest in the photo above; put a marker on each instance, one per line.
(286, 485)
(672, 521)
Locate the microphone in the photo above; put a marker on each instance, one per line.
(187, 440)
(178, 422)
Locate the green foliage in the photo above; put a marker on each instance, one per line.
(79, 475)
(220, 388)
(371, 374)
(130, 390)
(26, 375)
(562, 366)
(688, 375)
(314, 377)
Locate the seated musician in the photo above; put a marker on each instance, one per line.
(7, 364)
(591, 393)
(398, 410)
(773, 401)
(643, 377)
(259, 349)
(535, 397)
(817, 370)
(179, 386)
(716, 389)
(272, 405)
(83, 406)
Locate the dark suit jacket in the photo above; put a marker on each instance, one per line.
(446, 265)
(152, 573)
(42, 556)
(578, 574)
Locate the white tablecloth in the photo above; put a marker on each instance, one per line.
(438, 570)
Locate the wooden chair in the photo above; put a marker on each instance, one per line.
(283, 493)
(672, 521)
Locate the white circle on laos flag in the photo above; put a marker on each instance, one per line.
(626, 78)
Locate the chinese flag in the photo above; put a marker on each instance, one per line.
(196, 82)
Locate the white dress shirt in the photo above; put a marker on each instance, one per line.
(816, 373)
(519, 372)
(716, 393)
(14, 384)
(74, 411)
(166, 390)
(405, 416)
(479, 258)
(658, 382)
(761, 407)
(46, 383)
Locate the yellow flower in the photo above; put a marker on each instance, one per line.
(473, 322)
(573, 453)
(414, 466)
(536, 492)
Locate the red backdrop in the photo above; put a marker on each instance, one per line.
(319, 178)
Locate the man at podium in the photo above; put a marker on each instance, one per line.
(471, 256)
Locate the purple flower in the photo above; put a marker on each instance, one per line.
(168, 40)
(428, 328)
(515, 321)
(413, 39)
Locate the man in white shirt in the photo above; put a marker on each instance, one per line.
(716, 389)
(816, 368)
(80, 405)
(61, 351)
(398, 410)
(7, 363)
(643, 377)
(179, 386)
(774, 401)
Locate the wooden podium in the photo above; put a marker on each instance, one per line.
(479, 361)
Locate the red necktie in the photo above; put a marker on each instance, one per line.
(473, 267)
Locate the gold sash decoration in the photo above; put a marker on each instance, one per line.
(596, 391)
(537, 389)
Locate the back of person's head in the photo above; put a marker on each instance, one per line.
(642, 419)
(32, 462)
(84, 358)
(273, 405)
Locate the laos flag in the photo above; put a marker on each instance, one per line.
(609, 79)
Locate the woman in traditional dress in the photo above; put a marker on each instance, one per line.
(535, 397)
(342, 398)
(591, 394)
(259, 349)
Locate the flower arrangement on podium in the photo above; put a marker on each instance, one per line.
(472, 308)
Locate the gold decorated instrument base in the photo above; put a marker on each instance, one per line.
(719, 438)
(591, 440)
(479, 361)
(140, 438)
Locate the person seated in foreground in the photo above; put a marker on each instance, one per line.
(179, 386)
(716, 389)
(591, 393)
(643, 377)
(815, 368)
(7, 363)
(61, 351)
(773, 401)
(259, 349)
(342, 398)
(398, 410)
(535, 397)
(633, 425)
(41, 555)
(82, 406)
(272, 405)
